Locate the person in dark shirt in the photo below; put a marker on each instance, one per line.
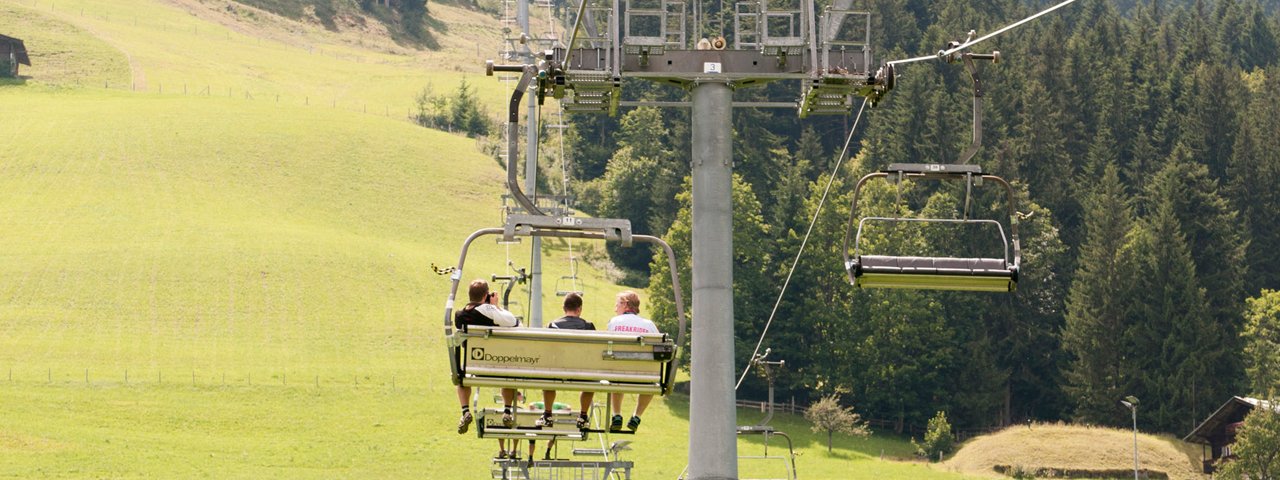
(572, 320)
(484, 311)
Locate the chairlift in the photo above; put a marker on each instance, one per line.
(549, 359)
(570, 283)
(940, 273)
(936, 273)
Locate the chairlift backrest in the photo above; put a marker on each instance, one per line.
(936, 273)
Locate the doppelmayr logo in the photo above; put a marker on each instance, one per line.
(479, 355)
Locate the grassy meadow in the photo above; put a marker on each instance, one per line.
(230, 286)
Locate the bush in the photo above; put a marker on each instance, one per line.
(938, 440)
(1257, 446)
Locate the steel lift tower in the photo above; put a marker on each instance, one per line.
(748, 43)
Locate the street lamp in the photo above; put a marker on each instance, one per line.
(1131, 402)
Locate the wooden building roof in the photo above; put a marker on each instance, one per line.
(1229, 413)
(16, 47)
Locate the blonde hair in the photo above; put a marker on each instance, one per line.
(631, 300)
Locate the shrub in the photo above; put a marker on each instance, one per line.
(938, 439)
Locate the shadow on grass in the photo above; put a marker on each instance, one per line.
(11, 81)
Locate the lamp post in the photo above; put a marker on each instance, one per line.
(1131, 402)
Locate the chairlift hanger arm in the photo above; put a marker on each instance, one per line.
(527, 73)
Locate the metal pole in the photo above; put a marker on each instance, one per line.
(713, 449)
(531, 175)
(1134, 409)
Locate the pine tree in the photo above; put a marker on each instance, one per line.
(1253, 175)
(1097, 303)
(1173, 343)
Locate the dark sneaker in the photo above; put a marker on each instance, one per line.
(633, 424)
(502, 454)
(583, 422)
(508, 420)
(615, 424)
(464, 423)
(545, 421)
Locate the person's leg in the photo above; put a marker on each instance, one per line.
(532, 446)
(584, 415)
(464, 398)
(642, 402)
(508, 412)
(615, 403)
(502, 448)
(548, 399)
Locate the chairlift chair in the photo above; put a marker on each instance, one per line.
(570, 283)
(549, 359)
(935, 273)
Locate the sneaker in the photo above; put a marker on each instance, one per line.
(583, 422)
(502, 455)
(615, 424)
(508, 420)
(545, 421)
(465, 422)
(634, 423)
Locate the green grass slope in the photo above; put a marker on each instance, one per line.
(233, 287)
(62, 51)
(1076, 448)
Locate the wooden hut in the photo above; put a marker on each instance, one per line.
(1218, 432)
(14, 52)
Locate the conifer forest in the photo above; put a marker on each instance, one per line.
(1143, 142)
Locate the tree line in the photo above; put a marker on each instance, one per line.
(1143, 140)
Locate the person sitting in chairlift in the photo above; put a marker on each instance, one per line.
(572, 320)
(484, 311)
(629, 320)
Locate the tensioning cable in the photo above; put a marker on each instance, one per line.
(803, 243)
(972, 42)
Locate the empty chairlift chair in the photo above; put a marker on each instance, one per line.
(936, 273)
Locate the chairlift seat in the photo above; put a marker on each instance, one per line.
(549, 359)
(940, 273)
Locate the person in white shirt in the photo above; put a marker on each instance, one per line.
(629, 320)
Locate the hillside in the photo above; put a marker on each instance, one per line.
(1060, 447)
